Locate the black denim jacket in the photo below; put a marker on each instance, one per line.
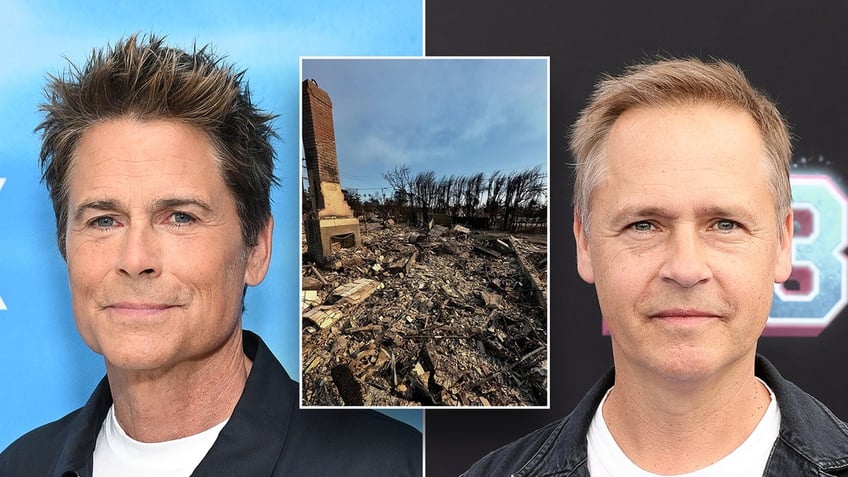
(812, 441)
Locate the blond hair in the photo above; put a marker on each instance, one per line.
(675, 82)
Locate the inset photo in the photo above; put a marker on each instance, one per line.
(424, 270)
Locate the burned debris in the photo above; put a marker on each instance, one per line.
(442, 313)
(413, 318)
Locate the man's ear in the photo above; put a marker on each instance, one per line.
(584, 259)
(783, 264)
(259, 256)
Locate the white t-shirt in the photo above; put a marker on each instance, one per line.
(749, 459)
(116, 453)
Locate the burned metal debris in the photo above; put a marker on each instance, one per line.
(418, 317)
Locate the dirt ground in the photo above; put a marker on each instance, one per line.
(445, 317)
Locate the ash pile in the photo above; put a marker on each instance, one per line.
(427, 317)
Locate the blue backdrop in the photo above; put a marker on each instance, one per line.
(45, 368)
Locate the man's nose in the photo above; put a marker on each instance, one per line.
(140, 254)
(686, 261)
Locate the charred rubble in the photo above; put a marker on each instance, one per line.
(441, 316)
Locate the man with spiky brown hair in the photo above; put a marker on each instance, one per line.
(160, 169)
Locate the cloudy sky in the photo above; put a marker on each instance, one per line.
(38, 37)
(451, 116)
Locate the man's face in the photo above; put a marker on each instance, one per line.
(156, 260)
(683, 243)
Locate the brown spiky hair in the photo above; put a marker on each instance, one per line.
(143, 79)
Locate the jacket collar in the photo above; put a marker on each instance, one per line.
(565, 450)
(806, 426)
(257, 427)
(77, 455)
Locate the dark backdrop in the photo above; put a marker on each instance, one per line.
(796, 51)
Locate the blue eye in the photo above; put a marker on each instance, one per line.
(104, 222)
(182, 218)
(642, 226)
(726, 225)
